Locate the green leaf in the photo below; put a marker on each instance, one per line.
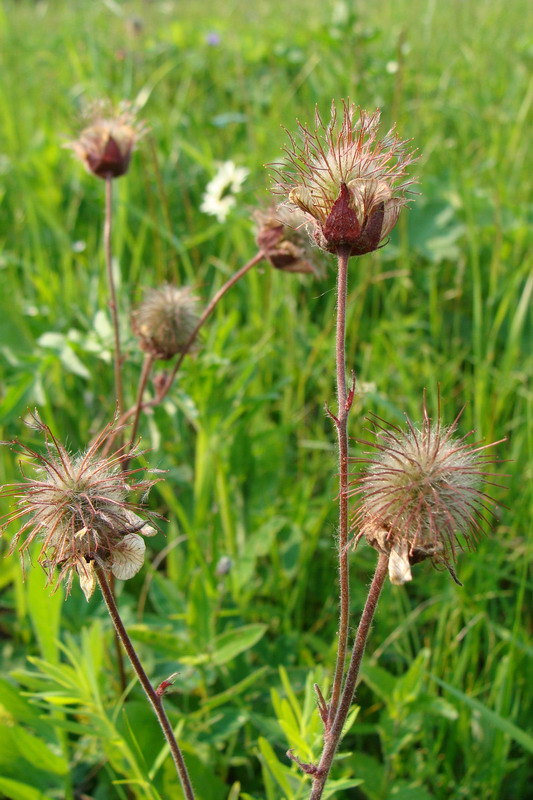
(372, 773)
(231, 643)
(406, 791)
(21, 791)
(335, 786)
(379, 680)
(409, 685)
(45, 613)
(37, 753)
(277, 769)
(522, 737)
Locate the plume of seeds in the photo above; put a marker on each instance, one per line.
(421, 495)
(77, 507)
(348, 183)
(165, 321)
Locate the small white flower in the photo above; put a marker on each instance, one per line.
(219, 195)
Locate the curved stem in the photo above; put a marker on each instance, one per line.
(333, 736)
(153, 697)
(108, 230)
(162, 393)
(341, 424)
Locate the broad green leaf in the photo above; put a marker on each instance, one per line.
(405, 791)
(372, 773)
(15, 708)
(335, 786)
(277, 769)
(37, 753)
(409, 685)
(15, 790)
(231, 643)
(233, 691)
(379, 680)
(45, 613)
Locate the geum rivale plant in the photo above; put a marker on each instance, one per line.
(424, 487)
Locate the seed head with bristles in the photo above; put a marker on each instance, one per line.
(350, 184)
(77, 507)
(420, 495)
(165, 321)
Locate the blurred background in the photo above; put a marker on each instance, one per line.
(239, 594)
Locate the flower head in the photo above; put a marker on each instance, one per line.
(219, 196)
(105, 145)
(77, 507)
(420, 496)
(165, 321)
(283, 236)
(347, 181)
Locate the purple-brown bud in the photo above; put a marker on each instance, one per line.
(106, 144)
(283, 235)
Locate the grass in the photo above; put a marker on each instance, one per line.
(446, 703)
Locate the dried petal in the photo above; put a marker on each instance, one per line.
(128, 557)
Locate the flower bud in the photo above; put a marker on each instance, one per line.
(283, 235)
(106, 144)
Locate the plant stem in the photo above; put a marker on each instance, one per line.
(333, 735)
(162, 393)
(108, 230)
(341, 424)
(152, 695)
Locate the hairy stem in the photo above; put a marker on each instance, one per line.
(108, 230)
(333, 735)
(153, 697)
(162, 393)
(341, 424)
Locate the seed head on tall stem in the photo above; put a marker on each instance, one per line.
(421, 495)
(77, 506)
(350, 184)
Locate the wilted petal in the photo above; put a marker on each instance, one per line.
(392, 212)
(128, 557)
(85, 570)
(140, 525)
(399, 566)
(303, 198)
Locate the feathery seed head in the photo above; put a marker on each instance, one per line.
(165, 321)
(283, 235)
(420, 496)
(105, 145)
(77, 506)
(348, 182)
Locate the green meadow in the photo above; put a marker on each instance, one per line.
(444, 709)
